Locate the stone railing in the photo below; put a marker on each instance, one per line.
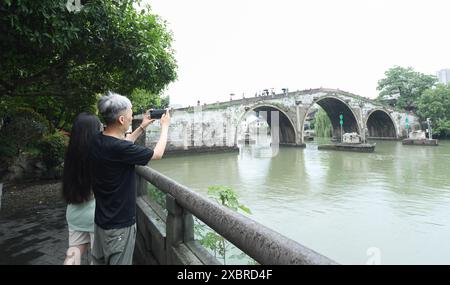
(166, 234)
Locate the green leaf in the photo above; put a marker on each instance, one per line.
(245, 209)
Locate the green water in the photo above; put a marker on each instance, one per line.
(344, 205)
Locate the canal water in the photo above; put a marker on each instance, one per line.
(387, 207)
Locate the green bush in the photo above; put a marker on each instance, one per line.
(22, 127)
(7, 151)
(53, 148)
(435, 104)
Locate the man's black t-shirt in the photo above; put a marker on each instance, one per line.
(114, 183)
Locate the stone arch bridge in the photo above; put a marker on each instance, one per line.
(216, 126)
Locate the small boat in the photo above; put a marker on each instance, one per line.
(355, 147)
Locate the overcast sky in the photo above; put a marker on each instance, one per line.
(245, 46)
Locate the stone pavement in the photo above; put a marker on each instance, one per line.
(38, 236)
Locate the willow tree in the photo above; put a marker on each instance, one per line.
(322, 125)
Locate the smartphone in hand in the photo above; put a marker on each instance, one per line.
(157, 114)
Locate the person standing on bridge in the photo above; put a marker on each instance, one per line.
(77, 187)
(114, 157)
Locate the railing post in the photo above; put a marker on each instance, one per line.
(174, 227)
(188, 226)
(141, 186)
(179, 227)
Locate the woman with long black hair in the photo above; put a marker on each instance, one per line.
(77, 187)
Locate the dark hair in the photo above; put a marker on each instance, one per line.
(77, 176)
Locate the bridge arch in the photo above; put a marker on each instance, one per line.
(334, 106)
(380, 124)
(288, 133)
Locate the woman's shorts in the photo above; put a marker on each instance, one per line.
(79, 238)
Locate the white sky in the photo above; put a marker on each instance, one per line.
(245, 46)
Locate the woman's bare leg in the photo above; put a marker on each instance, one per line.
(74, 254)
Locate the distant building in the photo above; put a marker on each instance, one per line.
(443, 76)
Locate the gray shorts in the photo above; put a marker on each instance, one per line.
(114, 246)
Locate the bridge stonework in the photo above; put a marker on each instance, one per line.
(216, 126)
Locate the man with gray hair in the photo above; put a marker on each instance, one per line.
(114, 157)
